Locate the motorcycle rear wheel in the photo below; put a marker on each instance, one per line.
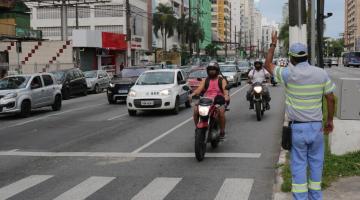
(200, 144)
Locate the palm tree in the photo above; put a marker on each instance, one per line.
(284, 35)
(165, 22)
(211, 49)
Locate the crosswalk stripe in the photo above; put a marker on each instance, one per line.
(21, 185)
(235, 189)
(158, 189)
(85, 188)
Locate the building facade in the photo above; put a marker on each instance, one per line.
(220, 20)
(201, 9)
(352, 25)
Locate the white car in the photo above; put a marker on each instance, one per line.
(163, 89)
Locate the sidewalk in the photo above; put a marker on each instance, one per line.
(344, 189)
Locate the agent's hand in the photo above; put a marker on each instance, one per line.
(274, 37)
(329, 127)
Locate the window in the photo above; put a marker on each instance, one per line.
(36, 82)
(83, 12)
(50, 31)
(109, 11)
(48, 13)
(77, 74)
(47, 80)
(70, 75)
(111, 28)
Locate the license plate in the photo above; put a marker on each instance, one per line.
(123, 91)
(147, 103)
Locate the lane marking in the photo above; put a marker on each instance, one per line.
(85, 188)
(158, 189)
(51, 115)
(126, 155)
(22, 185)
(235, 189)
(174, 128)
(117, 117)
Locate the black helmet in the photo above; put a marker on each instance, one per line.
(213, 66)
(258, 62)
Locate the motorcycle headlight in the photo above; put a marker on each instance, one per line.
(10, 96)
(165, 92)
(204, 110)
(112, 85)
(258, 89)
(132, 93)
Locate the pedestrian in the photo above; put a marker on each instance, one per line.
(306, 86)
(122, 66)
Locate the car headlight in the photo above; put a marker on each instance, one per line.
(230, 78)
(112, 85)
(166, 92)
(258, 89)
(10, 96)
(204, 110)
(132, 93)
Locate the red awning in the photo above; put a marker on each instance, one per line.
(114, 41)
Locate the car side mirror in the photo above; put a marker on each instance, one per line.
(182, 82)
(186, 88)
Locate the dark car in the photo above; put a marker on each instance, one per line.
(327, 62)
(121, 83)
(73, 82)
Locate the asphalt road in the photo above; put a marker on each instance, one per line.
(94, 150)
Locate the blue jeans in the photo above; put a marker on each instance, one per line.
(307, 151)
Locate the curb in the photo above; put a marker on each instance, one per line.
(277, 193)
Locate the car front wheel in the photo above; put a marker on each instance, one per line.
(25, 109)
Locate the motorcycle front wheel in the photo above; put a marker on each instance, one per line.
(258, 110)
(200, 144)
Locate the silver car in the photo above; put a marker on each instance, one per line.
(20, 94)
(232, 74)
(97, 80)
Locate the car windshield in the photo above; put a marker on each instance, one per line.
(198, 74)
(90, 74)
(14, 82)
(228, 68)
(355, 54)
(156, 78)
(130, 73)
(243, 64)
(59, 75)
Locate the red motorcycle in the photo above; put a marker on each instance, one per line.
(208, 127)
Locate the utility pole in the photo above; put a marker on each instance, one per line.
(320, 23)
(313, 32)
(226, 33)
(230, 25)
(245, 41)
(258, 45)
(198, 23)
(128, 33)
(190, 39)
(77, 49)
(297, 22)
(235, 36)
(63, 20)
(250, 43)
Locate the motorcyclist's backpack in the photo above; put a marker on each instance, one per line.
(220, 83)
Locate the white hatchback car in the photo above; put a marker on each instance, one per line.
(163, 89)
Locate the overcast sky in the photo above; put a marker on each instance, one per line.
(272, 10)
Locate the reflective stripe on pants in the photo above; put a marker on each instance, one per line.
(307, 151)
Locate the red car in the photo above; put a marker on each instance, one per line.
(195, 78)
